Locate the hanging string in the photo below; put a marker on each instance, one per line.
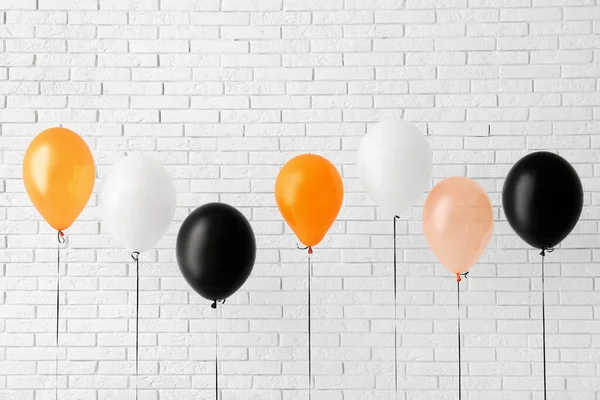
(395, 312)
(214, 307)
(136, 257)
(61, 240)
(310, 380)
(543, 254)
(458, 280)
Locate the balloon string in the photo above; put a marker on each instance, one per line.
(458, 280)
(310, 380)
(135, 255)
(214, 306)
(395, 313)
(61, 240)
(543, 254)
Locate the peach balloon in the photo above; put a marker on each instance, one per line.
(458, 221)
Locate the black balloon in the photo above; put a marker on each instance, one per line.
(216, 250)
(542, 199)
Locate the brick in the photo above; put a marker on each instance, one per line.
(129, 5)
(530, 15)
(19, 5)
(312, 5)
(252, 5)
(188, 32)
(98, 46)
(191, 5)
(280, 47)
(436, 30)
(68, 5)
(362, 31)
(127, 60)
(464, 44)
(112, 18)
(35, 45)
(404, 16)
(157, 18)
(17, 31)
(498, 29)
(37, 102)
(220, 19)
(213, 46)
(313, 32)
(129, 32)
(333, 45)
(342, 17)
(560, 28)
(33, 17)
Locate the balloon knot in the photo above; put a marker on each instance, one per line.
(546, 249)
(214, 305)
(135, 255)
(61, 237)
(460, 276)
(310, 250)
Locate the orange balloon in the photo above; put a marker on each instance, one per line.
(458, 221)
(59, 175)
(309, 193)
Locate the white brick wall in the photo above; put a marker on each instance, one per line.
(224, 92)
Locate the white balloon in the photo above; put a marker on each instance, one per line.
(394, 165)
(137, 202)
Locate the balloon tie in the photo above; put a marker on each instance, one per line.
(214, 304)
(309, 248)
(61, 240)
(458, 280)
(136, 257)
(546, 250)
(395, 313)
(543, 254)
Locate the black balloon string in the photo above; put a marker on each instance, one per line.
(458, 280)
(543, 254)
(214, 307)
(136, 257)
(395, 312)
(61, 240)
